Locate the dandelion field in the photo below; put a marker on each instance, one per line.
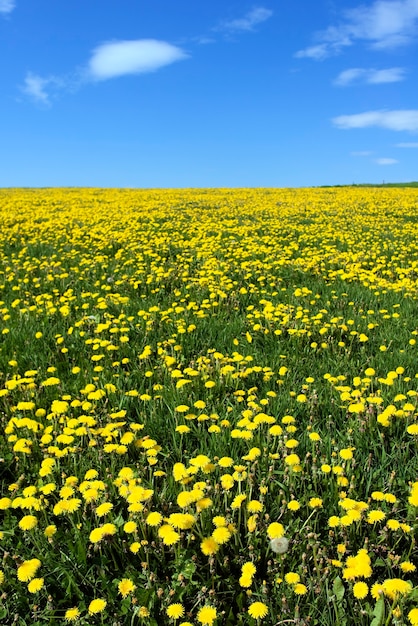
(208, 404)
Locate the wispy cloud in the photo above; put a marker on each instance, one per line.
(361, 153)
(382, 24)
(7, 6)
(107, 61)
(386, 161)
(203, 40)
(40, 88)
(410, 144)
(392, 120)
(120, 58)
(248, 22)
(324, 50)
(370, 76)
(378, 160)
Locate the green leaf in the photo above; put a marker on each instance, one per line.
(413, 596)
(240, 601)
(188, 570)
(119, 521)
(125, 606)
(379, 612)
(338, 589)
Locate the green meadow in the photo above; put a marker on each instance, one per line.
(208, 404)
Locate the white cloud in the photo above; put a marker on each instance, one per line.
(6, 6)
(386, 161)
(248, 22)
(383, 24)
(323, 50)
(361, 153)
(390, 75)
(109, 60)
(318, 52)
(118, 58)
(411, 144)
(371, 76)
(392, 120)
(347, 77)
(35, 87)
(203, 40)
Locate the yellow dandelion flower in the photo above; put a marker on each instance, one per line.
(171, 538)
(248, 569)
(183, 521)
(237, 501)
(135, 547)
(200, 461)
(225, 461)
(395, 587)
(50, 530)
(360, 590)
(221, 535)
(407, 566)
(125, 587)
(376, 591)
(275, 530)
(182, 408)
(209, 546)
(245, 581)
(97, 606)
(393, 524)
(71, 615)
(315, 503)
(252, 523)
(28, 522)
(375, 516)
(154, 519)
(254, 506)
(175, 611)
(130, 527)
(28, 569)
(96, 535)
(207, 615)
(314, 436)
(104, 509)
(227, 481)
(292, 460)
(35, 585)
(258, 610)
(346, 453)
(358, 566)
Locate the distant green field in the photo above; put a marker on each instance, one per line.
(411, 184)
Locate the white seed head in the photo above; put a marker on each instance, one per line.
(279, 545)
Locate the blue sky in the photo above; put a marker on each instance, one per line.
(191, 93)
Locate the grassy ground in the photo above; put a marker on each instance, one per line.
(208, 406)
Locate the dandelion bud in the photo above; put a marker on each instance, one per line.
(279, 545)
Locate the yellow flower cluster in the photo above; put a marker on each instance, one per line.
(202, 390)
